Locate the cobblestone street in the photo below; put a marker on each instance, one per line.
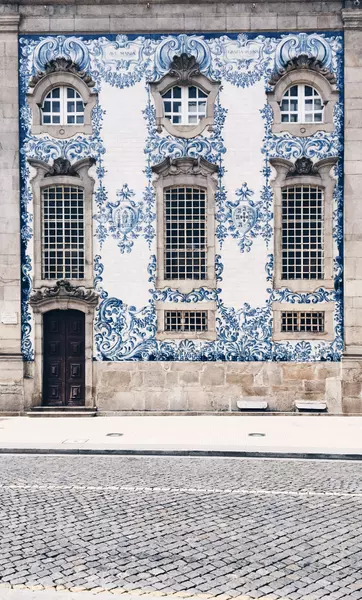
(193, 526)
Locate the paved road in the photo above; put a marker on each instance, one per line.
(268, 529)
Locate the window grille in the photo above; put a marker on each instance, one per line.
(185, 320)
(63, 106)
(63, 232)
(302, 233)
(301, 104)
(298, 322)
(185, 234)
(184, 105)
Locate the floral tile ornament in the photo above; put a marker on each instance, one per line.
(244, 219)
(122, 219)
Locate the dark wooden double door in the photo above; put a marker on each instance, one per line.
(64, 358)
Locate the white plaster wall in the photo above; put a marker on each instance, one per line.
(244, 278)
(124, 132)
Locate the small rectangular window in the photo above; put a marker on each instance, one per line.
(185, 320)
(302, 233)
(63, 232)
(301, 322)
(185, 235)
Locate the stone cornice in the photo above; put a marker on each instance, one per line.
(352, 19)
(9, 22)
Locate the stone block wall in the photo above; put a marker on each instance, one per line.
(210, 387)
(11, 363)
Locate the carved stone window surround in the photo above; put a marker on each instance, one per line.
(190, 76)
(77, 176)
(162, 307)
(322, 178)
(326, 307)
(327, 91)
(37, 94)
(186, 172)
(63, 296)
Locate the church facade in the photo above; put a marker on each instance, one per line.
(181, 217)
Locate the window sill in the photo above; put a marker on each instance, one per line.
(185, 286)
(303, 285)
(302, 129)
(62, 131)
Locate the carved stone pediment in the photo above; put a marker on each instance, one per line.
(185, 166)
(303, 166)
(63, 65)
(61, 166)
(63, 290)
(184, 68)
(298, 63)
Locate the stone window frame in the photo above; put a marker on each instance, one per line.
(209, 307)
(63, 296)
(37, 93)
(306, 71)
(327, 307)
(290, 175)
(188, 172)
(184, 72)
(62, 173)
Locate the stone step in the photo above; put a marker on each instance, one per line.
(61, 411)
(252, 403)
(310, 405)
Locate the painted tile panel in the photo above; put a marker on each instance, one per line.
(126, 144)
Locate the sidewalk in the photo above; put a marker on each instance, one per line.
(308, 436)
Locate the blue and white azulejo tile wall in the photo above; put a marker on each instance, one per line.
(126, 143)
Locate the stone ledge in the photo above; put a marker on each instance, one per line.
(252, 404)
(305, 405)
(352, 19)
(9, 22)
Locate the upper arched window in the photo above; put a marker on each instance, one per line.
(301, 104)
(62, 98)
(184, 98)
(63, 106)
(303, 96)
(184, 105)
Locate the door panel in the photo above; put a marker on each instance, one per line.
(64, 358)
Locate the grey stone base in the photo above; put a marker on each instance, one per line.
(215, 387)
(11, 384)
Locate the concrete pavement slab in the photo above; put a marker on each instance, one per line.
(207, 435)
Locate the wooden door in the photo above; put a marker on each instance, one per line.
(64, 358)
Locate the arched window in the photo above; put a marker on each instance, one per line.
(63, 106)
(63, 250)
(184, 105)
(301, 104)
(184, 98)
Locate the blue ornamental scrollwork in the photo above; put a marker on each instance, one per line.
(26, 341)
(122, 219)
(244, 219)
(124, 333)
(312, 45)
(197, 295)
(50, 48)
(269, 267)
(287, 295)
(171, 46)
(242, 61)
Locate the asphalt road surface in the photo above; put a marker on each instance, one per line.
(206, 527)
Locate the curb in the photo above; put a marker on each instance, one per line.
(191, 453)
